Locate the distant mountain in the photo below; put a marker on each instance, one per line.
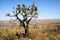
(46, 21)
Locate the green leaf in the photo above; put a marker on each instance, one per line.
(23, 5)
(23, 10)
(7, 14)
(31, 12)
(28, 9)
(35, 8)
(18, 9)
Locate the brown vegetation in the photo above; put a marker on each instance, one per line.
(38, 33)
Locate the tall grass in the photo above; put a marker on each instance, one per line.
(38, 33)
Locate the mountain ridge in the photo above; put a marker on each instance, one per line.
(45, 21)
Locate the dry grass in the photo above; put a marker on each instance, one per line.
(42, 33)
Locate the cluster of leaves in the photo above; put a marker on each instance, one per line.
(24, 10)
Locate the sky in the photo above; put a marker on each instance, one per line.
(47, 9)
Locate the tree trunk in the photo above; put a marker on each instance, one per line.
(26, 31)
(25, 26)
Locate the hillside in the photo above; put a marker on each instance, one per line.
(33, 22)
(46, 21)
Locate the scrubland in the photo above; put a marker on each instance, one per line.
(35, 33)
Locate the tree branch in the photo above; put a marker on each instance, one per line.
(30, 18)
(19, 19)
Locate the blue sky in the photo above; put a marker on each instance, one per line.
(47, 9)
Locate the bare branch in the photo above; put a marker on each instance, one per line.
(30, 18)
(9, 15)
(18, 19)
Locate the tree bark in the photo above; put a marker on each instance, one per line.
(26, 31)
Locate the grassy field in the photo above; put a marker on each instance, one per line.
(38, 33)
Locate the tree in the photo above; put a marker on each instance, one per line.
(27, 13)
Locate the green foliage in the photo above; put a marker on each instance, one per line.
(24, 10)
(28, 9)
(8, 14)
(23, 5)
(31, 12)
(18, 9)
(35, 8)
